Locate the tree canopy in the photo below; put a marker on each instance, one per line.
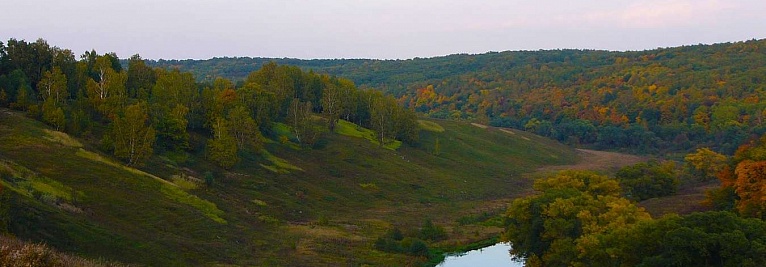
(149, 109)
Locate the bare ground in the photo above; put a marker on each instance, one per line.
(689, 199)
(594, 160)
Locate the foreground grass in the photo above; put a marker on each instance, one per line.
(14, 252)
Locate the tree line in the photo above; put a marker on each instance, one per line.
(672, 99)
(135, 109)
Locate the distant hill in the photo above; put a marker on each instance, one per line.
(661, 100)
(284, 206)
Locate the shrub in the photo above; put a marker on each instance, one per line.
(415, 246)
(388, 245)
(432, 232)
(648, 180)
(209, 178)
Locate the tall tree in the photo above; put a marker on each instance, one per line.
(222, 149)
(299, 118)
(382, 118)
(331, 104)
(141, 78)
(53, 85)
(133, 137)
(31, 58)
(244, 129)
(173, 96)
(107, 92)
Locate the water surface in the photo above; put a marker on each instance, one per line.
(493, 256)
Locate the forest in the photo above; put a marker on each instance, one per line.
(668, 100)
(136, 109)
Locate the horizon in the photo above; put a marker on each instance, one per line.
(458, 53)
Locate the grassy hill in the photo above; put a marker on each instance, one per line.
(283, 206)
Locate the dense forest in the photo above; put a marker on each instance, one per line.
(136, 109)
(662, 100)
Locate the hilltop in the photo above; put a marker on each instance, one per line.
(668, 100)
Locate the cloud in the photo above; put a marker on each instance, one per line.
(672, 13)
(656, 14)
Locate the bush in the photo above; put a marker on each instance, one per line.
(648, 180)
(432, 232)
(209, 178)
(388, 245)
(395, 242)
(415, 246)
(395, 234)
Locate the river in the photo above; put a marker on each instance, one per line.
(493, 256)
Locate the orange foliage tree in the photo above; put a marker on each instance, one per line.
(745, 177)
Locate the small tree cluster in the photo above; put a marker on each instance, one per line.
(648, 180)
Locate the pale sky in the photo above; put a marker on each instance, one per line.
(385, 29)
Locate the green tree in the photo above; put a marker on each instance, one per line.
(222, 149)
(382, 118)
(31, 58)
(698, 239)
(331, 105)
(141, 78)
(23, 99)
(705, 163)
(107, 92)
(53, 85)
(300, 119)
(53, 114)
(648, 180)
(173, 97)
(262, 104)
(132, 136)
(172, 126)
(244, 129)
(553, 227)
(406, 125)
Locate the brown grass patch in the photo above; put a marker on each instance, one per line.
(688, 199)
(14, 252)
(593, 160)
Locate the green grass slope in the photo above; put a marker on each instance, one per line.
(323, 207)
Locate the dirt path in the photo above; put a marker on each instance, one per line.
(597, 161)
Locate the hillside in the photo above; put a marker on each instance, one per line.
(669, 100)
(288, 206)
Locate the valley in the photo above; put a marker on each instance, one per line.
(574, 156)
(328, 210)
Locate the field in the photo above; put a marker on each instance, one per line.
(324, 206)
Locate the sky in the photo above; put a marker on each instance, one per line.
(381, 29)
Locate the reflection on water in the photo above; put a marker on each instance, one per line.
(492, 256)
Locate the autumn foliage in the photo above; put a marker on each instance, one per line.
(745, 181)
